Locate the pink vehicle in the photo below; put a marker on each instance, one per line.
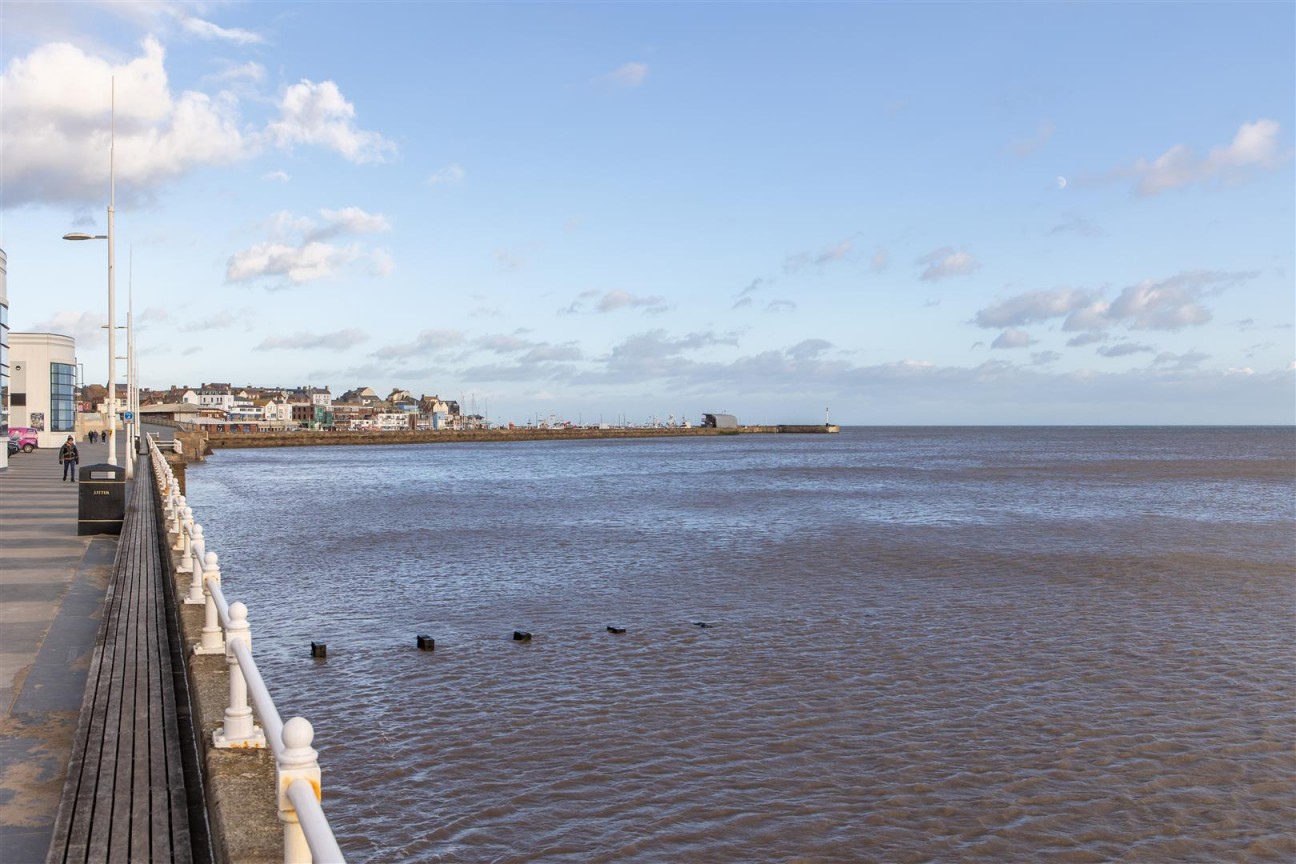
(25, 437)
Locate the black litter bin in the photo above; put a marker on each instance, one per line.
(102, 502)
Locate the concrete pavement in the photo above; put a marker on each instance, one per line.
(52, 585)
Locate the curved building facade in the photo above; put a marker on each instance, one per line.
(42, 385)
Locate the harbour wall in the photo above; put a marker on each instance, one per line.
(231, 440)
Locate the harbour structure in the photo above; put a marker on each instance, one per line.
(719, 421)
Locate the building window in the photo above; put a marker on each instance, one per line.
(62, 413)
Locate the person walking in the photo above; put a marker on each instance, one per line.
(69, 457)
(92, 436)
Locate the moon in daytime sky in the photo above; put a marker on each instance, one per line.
(1061, 181)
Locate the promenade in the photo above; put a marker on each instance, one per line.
(52, 586)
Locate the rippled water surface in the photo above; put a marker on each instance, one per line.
(925, 644)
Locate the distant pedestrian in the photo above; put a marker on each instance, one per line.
(92, 436)
(69, 456)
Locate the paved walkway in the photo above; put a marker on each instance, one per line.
(52, 586)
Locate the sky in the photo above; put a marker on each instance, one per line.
(919, 213)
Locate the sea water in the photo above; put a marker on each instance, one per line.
(924, 644)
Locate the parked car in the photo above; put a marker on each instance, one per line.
(25, 436)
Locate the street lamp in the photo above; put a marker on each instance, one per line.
(112, 306)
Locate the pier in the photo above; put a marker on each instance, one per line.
(305, 438)
(130, 730)
(52, 588)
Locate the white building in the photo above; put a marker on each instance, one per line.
(42, 385)
(216, 396)
(391, 421)
(276, 413)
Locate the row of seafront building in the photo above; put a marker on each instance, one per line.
(250, 409)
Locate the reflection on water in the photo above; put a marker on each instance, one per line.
(928, 644)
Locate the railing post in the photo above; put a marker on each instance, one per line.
(239, 730)
(186, 536)
(200, 574)
(212, 641)
(297, 761)
(177, 523)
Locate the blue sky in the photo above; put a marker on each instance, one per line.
(904, 213)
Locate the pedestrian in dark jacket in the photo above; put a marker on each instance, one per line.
(69, 456)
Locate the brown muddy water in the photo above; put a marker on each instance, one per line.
(1020, 644)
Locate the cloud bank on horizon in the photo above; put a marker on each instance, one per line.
(648, 211)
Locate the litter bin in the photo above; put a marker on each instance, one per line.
(102, 501)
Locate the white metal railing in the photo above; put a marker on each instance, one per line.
(307, 835)
(173, 445)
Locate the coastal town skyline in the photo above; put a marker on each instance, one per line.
(983, 213)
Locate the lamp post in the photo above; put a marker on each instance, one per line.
(112, 306)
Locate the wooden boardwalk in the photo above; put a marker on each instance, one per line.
(126, 797)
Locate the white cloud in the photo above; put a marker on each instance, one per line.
(249, 72)
(504, 343)
(1153, 304)
(619, 298)
(338, 340)
(208, 30)
(451, 175)
(280, 176)
(1184, 361)
(828, 255)
(945, 262)
(58, 101)
(777, 306)
(87, 328)
(56, 128)
(546, 353)
(1034, 306)
(428, 342)
(808, 349)
(1167, 304)
(318, 114)
(349, 220)
(298, 247)
(1124, 349)
(1087, 338)
(299, 264)
(1255, 146)
(628, 75)
(834, 253)
(1012, 338)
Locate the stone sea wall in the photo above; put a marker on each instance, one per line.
(317, 439)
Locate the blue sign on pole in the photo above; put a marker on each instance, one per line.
(128, 416)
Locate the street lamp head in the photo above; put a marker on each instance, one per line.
(81, 235)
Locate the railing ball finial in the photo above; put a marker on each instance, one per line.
(298, 733)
